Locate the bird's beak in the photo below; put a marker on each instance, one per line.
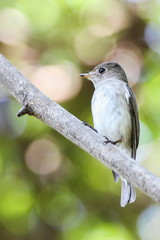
(85, 75)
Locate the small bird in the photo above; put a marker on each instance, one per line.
(115, 115)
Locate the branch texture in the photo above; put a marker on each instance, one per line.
(70, 127)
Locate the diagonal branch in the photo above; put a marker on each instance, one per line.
(37, 104)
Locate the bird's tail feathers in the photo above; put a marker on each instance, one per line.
(116, 176)
(128, 194)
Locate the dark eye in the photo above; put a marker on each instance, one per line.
(101, 70)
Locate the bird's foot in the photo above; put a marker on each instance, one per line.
(112, 142)
(86, 124)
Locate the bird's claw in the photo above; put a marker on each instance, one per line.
(112, 142)
(86, 124)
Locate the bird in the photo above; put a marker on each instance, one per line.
(115, 115)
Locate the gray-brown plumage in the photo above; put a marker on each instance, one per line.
(115, 114)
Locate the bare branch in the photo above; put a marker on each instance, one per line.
(37, 104)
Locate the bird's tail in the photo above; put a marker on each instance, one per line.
(128, 194)
(116, 176)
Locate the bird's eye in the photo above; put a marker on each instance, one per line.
(101, 70)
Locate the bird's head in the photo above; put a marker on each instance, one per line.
(106, 71)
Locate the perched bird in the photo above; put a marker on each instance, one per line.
(115, 115)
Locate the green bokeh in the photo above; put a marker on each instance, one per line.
(16, 202)
(94, 229)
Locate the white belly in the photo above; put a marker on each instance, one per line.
(111, 114)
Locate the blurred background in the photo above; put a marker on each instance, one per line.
(49, 188)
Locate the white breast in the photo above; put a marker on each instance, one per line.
(110, 110)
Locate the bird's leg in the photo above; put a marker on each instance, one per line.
(86, 124)
(107, 140)
(113, 142)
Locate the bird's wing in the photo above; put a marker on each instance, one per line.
(135, 122)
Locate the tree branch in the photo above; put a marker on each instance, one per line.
(37, 104)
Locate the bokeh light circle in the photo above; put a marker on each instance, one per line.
(43, 157)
